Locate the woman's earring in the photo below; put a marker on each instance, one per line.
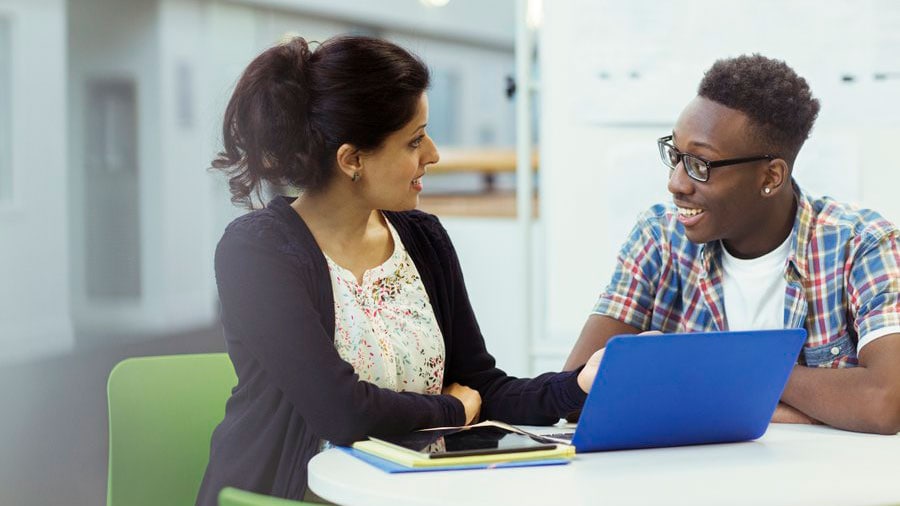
(355, 177)
(767, 190)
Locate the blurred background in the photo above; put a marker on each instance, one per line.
(110, 112)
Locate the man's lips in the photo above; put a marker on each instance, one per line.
(689, 214)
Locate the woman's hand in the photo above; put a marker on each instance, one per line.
(586, 376)
(470, 399)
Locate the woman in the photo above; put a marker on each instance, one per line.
(345, 311)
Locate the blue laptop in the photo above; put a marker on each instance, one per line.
(685, 389)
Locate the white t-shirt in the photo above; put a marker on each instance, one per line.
(754, 289)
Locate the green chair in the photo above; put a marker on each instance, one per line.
(230, 496)
(162, 411)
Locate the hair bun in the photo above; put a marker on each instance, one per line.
(299, 50)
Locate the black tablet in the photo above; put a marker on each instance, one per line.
(464, 441)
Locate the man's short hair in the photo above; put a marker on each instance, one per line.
(778, 102)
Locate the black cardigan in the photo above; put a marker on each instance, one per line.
(294, 389)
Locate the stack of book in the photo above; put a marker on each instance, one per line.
(484, 445)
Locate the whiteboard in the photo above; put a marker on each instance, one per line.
(639, 61)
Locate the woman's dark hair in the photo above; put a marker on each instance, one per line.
(778, 102)
(293, 108)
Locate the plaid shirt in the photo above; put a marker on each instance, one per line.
(842, 274)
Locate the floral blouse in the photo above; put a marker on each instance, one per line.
(385, 327)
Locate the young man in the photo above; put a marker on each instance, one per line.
(744, 247)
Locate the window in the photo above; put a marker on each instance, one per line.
(443, 102)
(111, 212)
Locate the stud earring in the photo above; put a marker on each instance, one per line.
(767, 190)
(355, 177)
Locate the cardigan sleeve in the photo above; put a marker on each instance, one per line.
(268, 304)
(542, 400)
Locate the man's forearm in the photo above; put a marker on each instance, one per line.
(852, 399)
(596, 332)
(789, 414)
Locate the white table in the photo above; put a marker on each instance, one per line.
(790, 464)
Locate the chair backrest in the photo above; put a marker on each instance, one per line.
(230, 496)
(162, 411)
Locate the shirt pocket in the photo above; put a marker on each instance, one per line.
(840, 352)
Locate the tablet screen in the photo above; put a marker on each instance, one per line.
(467, 441)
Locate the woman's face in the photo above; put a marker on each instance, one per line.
(392, 174)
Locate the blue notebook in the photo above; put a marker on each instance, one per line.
(392, 467)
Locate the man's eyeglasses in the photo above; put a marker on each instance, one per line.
(697, 168)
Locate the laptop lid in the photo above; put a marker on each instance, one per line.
(682, 389)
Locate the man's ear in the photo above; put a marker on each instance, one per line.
(349, 161)
(776, 175)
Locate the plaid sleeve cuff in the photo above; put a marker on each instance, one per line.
(875, 334)
(624, 309)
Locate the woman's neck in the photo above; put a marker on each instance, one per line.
(339, 217)
(355, 237)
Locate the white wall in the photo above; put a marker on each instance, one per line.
(160, 46)
(485, 116)
(102, 46)
(463, 20)
(181, 205)
(492, 263)
(599, 165)
(34, 298)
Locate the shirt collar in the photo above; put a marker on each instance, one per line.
(708, 252)
(801, 233)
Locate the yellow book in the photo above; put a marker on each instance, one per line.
(388, 452)
(485, 443)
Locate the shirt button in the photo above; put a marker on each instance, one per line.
(835, 351)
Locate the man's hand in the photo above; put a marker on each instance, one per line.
(789, 414)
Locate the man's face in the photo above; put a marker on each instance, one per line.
(728, 206)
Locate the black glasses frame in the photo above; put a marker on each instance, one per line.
(665, 142)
